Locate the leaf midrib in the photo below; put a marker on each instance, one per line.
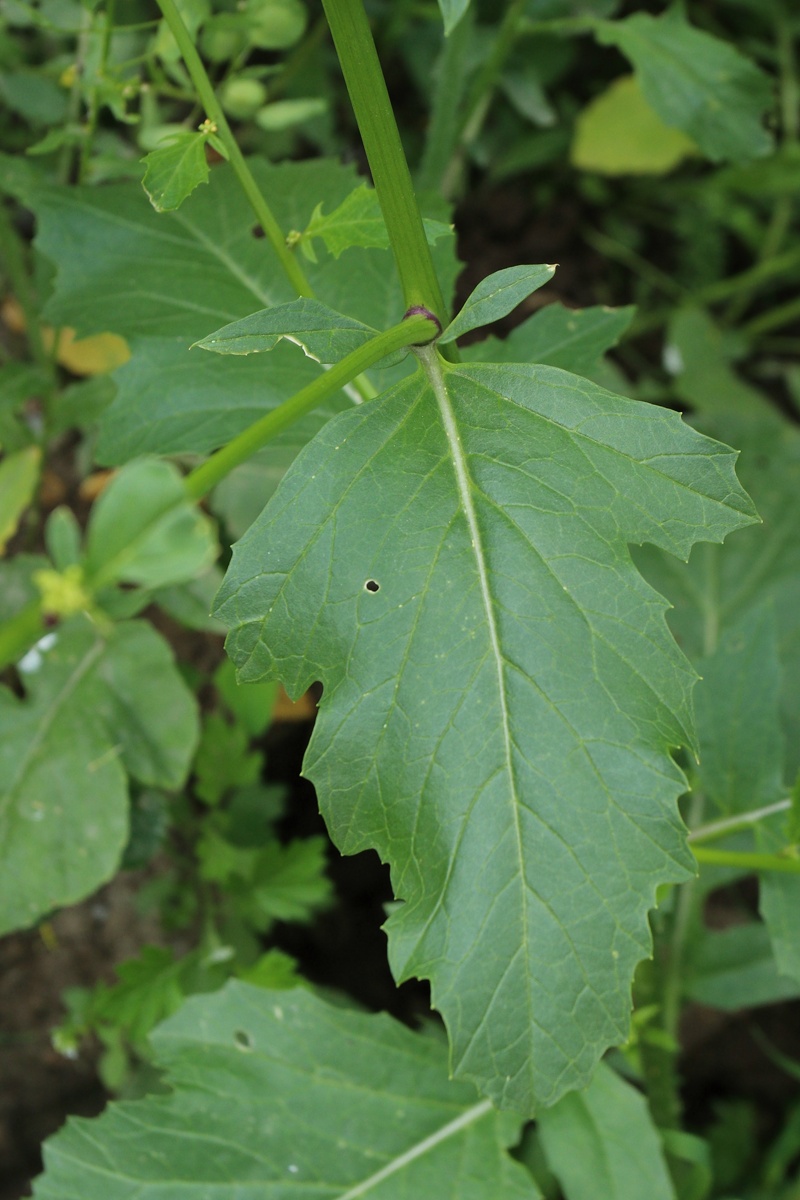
(433, 367)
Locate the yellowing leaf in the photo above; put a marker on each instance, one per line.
(96, 355)
(619, 133)
(18, 477)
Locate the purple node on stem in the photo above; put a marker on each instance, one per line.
(419, 310)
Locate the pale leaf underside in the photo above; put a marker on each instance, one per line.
(501, 690)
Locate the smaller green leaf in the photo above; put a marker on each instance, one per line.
(94, 709)
(496, 296)
(736, 969)
(273, 970)
(602, 1142)
(250, 703)
(286, 114)
(793, 819)
(323, 334)
(220, 861)
(700, 359)
(19, 474)
(779, 903)
(452, 12)
(62, 535)
(191, 602)
(358, 221)
(574, 339)
(737, 706)
(147, 991)
(174, 171)
(275, 24)
(144, 530)
(697, 83)
(223, 761)
(288, 883)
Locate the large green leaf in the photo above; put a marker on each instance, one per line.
(172, 399)
(501, 691)
(277, 1096)
(602, 1142)
(696, 82)
(167, 280)
(96, 709)
(122, 266)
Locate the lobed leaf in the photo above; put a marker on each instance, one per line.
(358, 221)
(174, 171)
(102, 708)
(501, 692)
(277, 1095)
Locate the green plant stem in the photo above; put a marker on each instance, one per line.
(653, 276)
(672, 951)
(782, 314)
(718, 829)
(753, 277)
(747, 861)
(414, 330)
(66, 158)
(214, 112)
(387, 162)
(657, 1056)
(94, 97)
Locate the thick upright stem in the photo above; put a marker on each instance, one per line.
(214, 112)
(387, 161)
